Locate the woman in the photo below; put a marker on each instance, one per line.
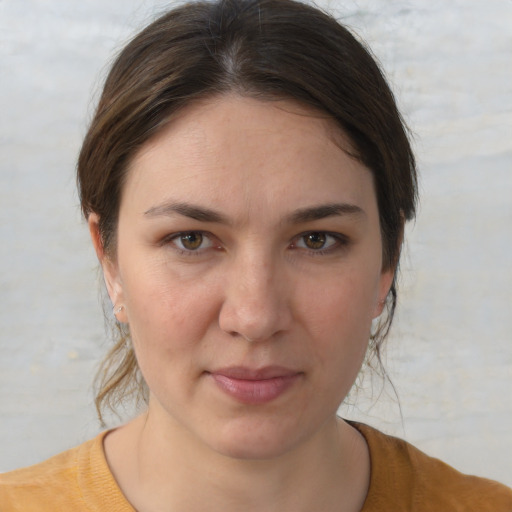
(246, 180)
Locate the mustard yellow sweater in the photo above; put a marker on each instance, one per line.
(403, 479)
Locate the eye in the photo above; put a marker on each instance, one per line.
(317, 241)
(192, 241)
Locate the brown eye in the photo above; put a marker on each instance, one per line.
(319, 242)
(190, 241)
(315, 240)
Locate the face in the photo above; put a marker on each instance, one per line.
(249, 264)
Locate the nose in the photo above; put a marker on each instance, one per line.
(256, 303)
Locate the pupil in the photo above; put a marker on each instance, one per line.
(315, 240)
(191, 240)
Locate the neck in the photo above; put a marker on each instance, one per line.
(171, 470)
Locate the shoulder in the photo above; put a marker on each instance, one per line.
(41, 483)
(405, 478)
(63, 482)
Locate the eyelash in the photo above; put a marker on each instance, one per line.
(339, 242)
(171, 239)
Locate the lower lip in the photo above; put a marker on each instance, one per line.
(255, 391)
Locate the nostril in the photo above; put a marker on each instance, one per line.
(254, 306)
(236, 334)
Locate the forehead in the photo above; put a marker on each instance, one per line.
(233, 146)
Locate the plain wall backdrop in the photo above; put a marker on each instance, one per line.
(450, 352)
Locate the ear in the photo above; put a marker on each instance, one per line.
(109, 267)
(387, 276)
(386, 280)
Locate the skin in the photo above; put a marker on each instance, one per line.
(276, 279)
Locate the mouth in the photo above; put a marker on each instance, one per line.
(255, 386)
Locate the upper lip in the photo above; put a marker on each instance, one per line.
(246, 373)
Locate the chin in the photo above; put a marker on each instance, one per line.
(250, 441)
(254, 449)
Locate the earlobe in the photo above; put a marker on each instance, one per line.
(109, 268)
(387, 278)
(386, 282)
(379, 307)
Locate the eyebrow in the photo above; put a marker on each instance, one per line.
(301, 215)
(323, 211)
(187, 210)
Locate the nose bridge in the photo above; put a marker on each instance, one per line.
(255, 305)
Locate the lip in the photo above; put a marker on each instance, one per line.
(255, 386)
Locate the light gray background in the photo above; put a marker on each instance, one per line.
(450, 355)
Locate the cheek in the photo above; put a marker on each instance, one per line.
(168, 322)
(339, 319)
(166, 310)
(343, 304)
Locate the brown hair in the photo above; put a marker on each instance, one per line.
(267, 49)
